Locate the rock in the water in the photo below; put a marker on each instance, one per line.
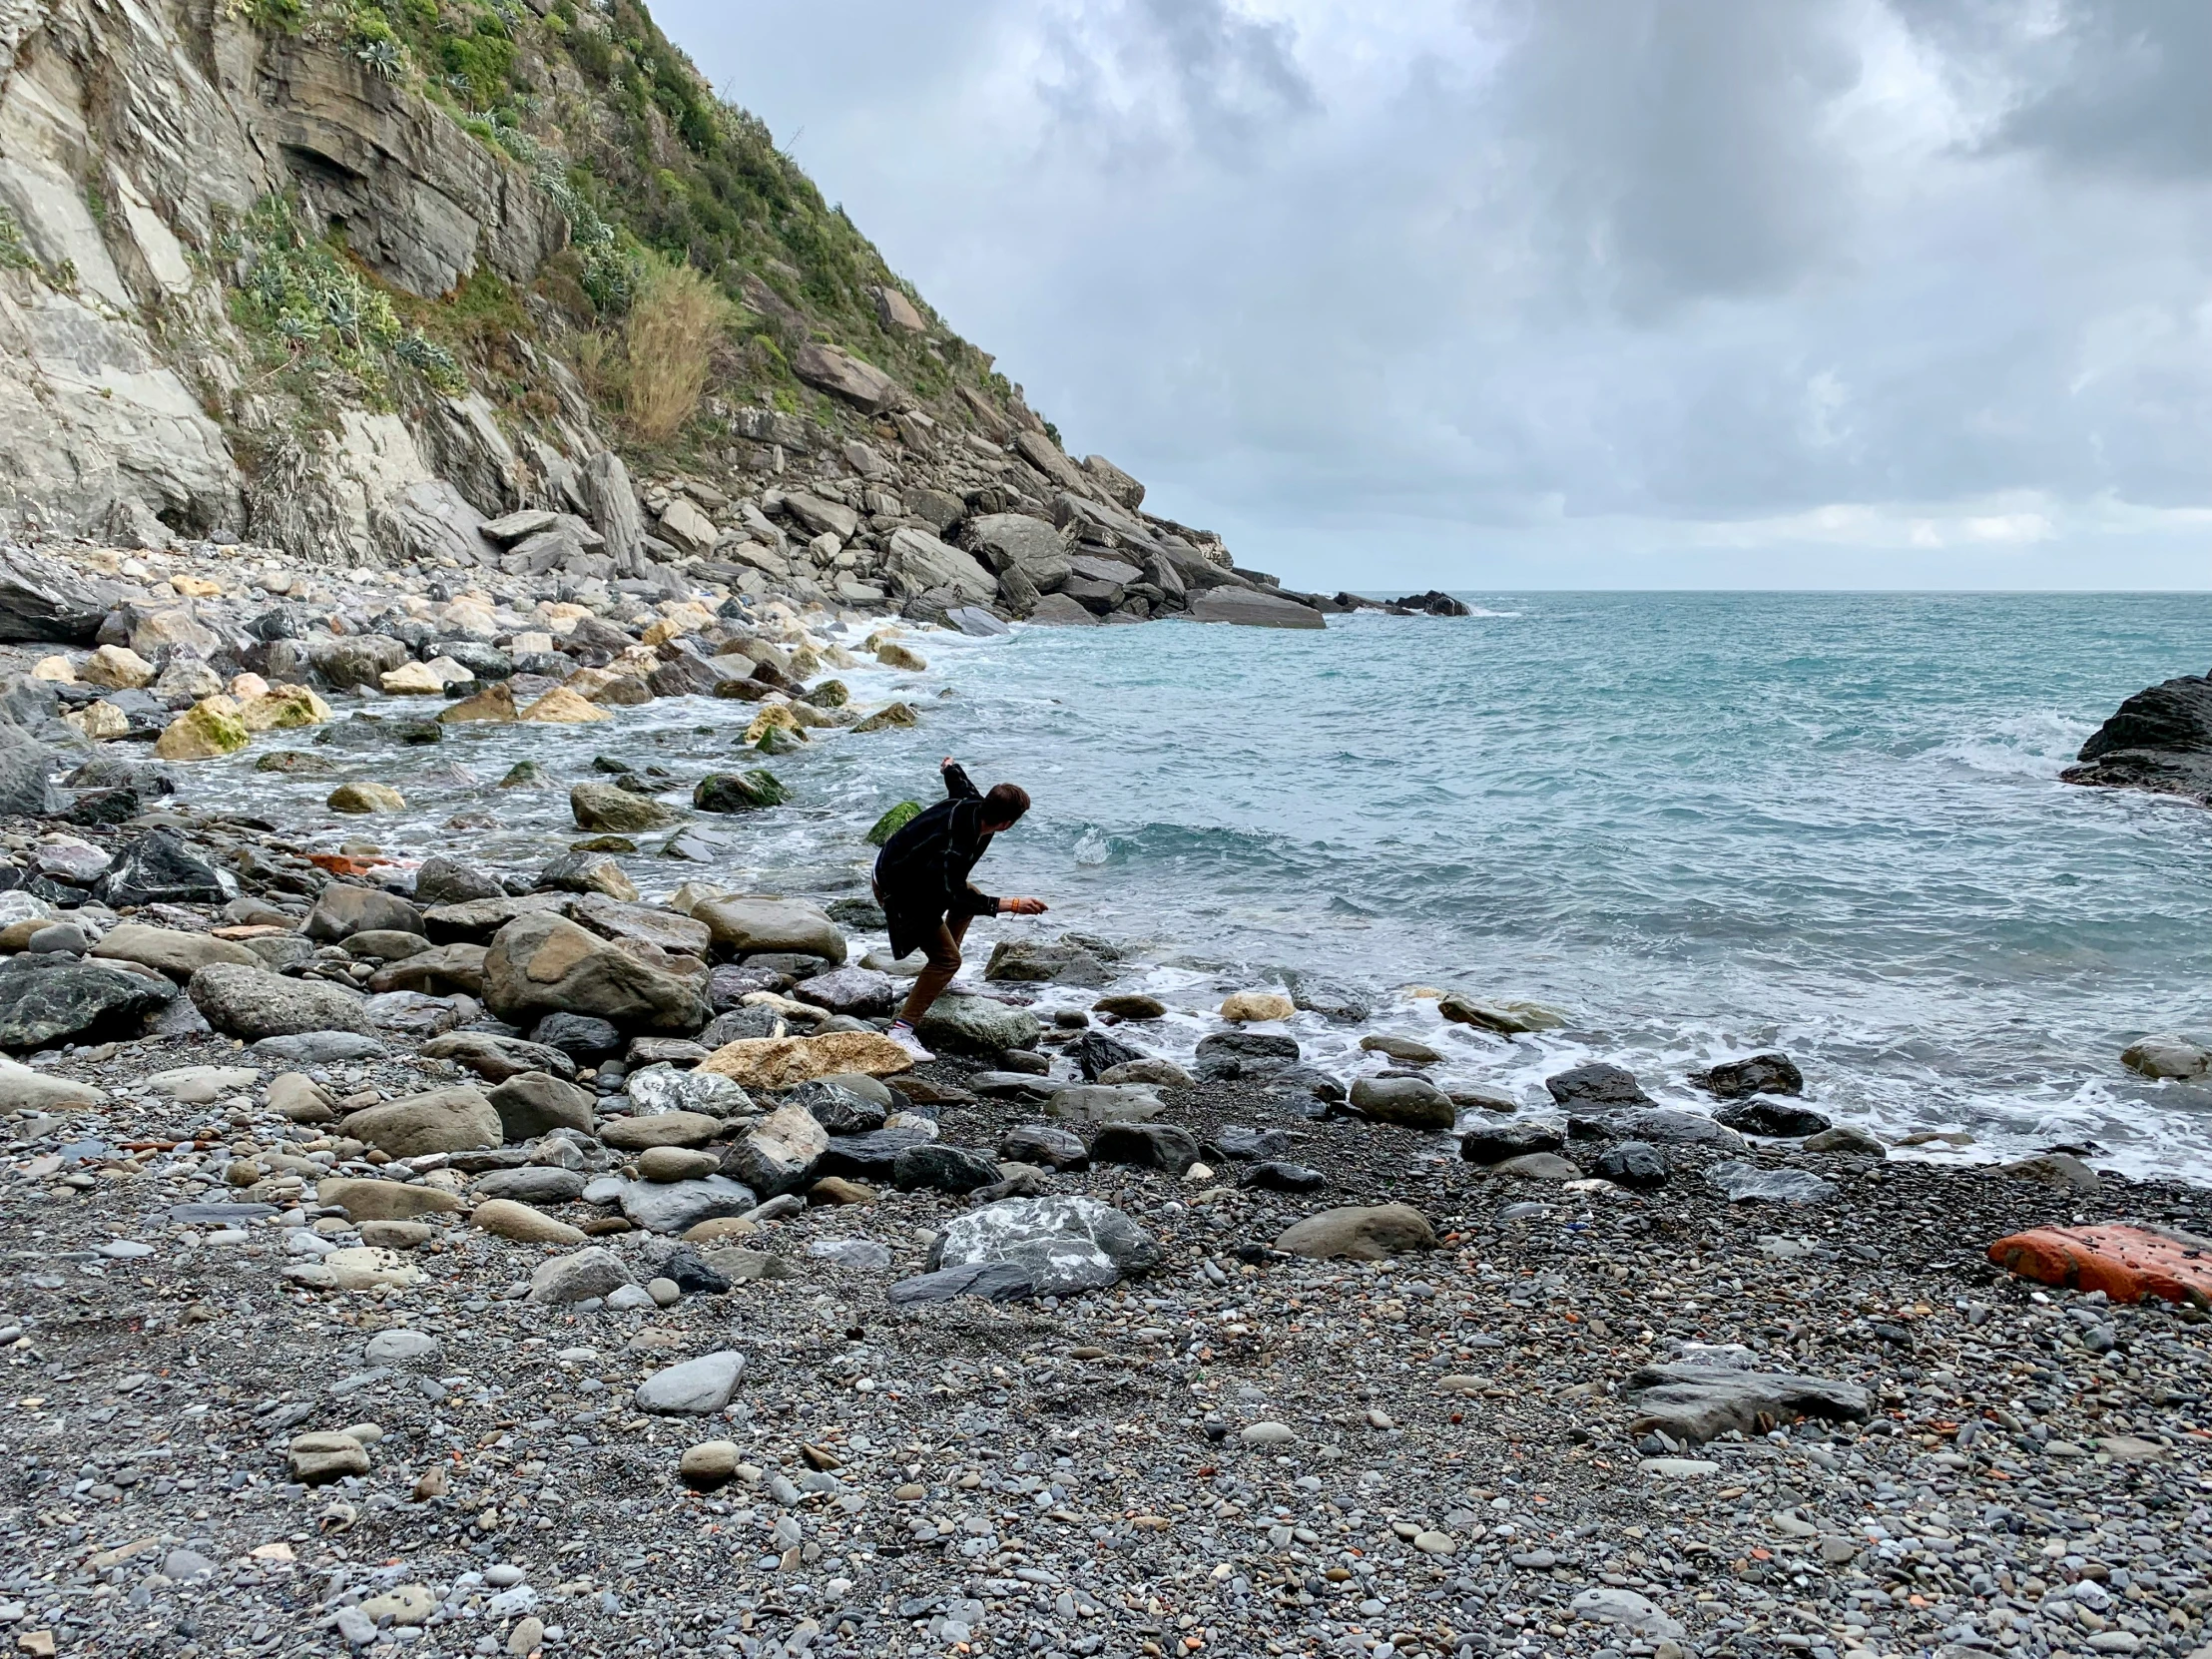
(1748, 1184)
(1040, 961)
(1701, 1403)
(158, 868)
(1253, 608)
(979, 1025)
(1246, 1007)
(2167, 1056)
(1130, 1005)
(745, 926)
(1493, 1143)
(739, 792)
(693, 1389)
(892, 822)
(1360, 1233)
(1773, 1118)
(252, 1004)
(2059, 1169)
(1162, 1146)
(604, 806)
(2161, 740)
(440, 1120)
(1412, 1101)
(52, 997)
(542, 963)
(1760, 1074)
(1065, 1245)
(1631, 1164)
(1597, 1084)
(1506, 1018)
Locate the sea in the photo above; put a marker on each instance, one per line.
(1696, 825)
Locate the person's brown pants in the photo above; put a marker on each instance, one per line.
(943, 952)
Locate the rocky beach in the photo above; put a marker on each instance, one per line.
(434, 1253)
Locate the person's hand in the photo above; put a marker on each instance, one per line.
(1022, 907)
(945, 765)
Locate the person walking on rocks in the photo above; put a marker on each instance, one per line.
(921, 880)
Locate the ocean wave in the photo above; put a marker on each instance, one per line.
(2040, 744)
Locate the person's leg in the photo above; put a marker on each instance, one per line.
(943, 952)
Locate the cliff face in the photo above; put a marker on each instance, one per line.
(352, 277)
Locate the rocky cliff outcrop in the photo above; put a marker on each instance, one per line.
(352, 281)
(2159, 739)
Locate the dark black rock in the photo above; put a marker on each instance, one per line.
(1760, 1074)
(1597, 1084)
(26, 777)
(740, 1025)
(1771, 1117)
(94, 807)
(158, 868)
(1228, 1055)
(1094, 1052)
(52, 998)
(871, 1156)
(691, 1274)
(941, 1168)
(858, 915)
(1493, 1143)
(2161, 740)
(1162, 1146)
(1232, 1143)
(579, 1036)
(1045, 1146)
(1631, 1164)
(42, 599)
(1275, 1176)
(992, 1280)
(794, 966)
(1662, 1125)
(840, 1111)
(443, 880)
(380, 732)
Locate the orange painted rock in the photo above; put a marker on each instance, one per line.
(2125, 1263)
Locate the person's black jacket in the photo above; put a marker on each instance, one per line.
(921, 875)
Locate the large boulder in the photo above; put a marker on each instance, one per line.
(918, 562)
(1066, 1245)
(1412, 1101)
(370, 1200)
(170, 950)
(1759, 1074)
(442, 1120)
(53, 997)
(1044, 961)
(531, 1103)
(1021, 542)
(545, 964)
(443, 880)
(605, 807)
(861, 992)
(752, 926)
(251, 1002)
(840, 374)
(979, 1025)
(674, 1207)
(2161, 740)
(42, 599)
(1597, 1084)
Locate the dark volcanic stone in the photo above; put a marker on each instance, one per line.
(158, 868)
(873, 1155)
(2161, 740)
(49, 998)
(1631, 1164)
(1597, 1084)
(840, 1111)
(1771, 1117)
(739, 791)
(1760, 1074)
(1162, 1146)
(1226, 1055)
(445, 881)
(377, 731)
(1493, 1143)
(1275, 1176)
(1232, 1143)
(729, 985)
(945, 1169)
(992, 1280)
(579, 1036)
(1094, 1052)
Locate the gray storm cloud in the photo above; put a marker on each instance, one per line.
(1607, 291)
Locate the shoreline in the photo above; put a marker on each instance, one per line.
(343, 1411)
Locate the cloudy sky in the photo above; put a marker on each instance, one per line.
(1496, 294)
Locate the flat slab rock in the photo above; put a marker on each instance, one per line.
(693, 1389)
(1065, 1245)
(1701, 1403)
(2126, 1263)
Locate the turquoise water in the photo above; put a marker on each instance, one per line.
(1695, 824)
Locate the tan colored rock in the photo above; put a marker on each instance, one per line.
(562, 707)
(318, 1460)
(774, 717)
(543, 964)
(709, 1464)
(365, 798)
(786, 1062)
(496, 703)
(58, 670)
(894, 655)
(441, 1120)
(170, 950)
(117, 667)
(245, 688)
(889, 715)
(1359, 1232)
(1247, 1007)
(412, 680)
(836, 1189)
(504, 1218)
(721, 1227)
(298, 1098)
(366, 1200)
(364, 1268)
(210, 728)
(102, 721)
(283, 708)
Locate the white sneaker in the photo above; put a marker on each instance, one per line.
(906, 1039)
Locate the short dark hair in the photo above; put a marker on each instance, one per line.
(1005, 804)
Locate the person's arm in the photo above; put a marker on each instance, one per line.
(956, 783)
